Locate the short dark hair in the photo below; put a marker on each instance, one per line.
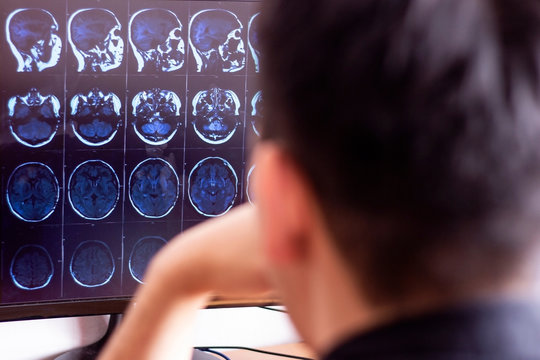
(417, 123)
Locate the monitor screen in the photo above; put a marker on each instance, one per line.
(123, 123)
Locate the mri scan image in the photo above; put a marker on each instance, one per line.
(155, 36)
(154, 187)
(215, 38)
(33, 118)
(249, 188)
(257, 109)
(143, 251)
(92, 264)
(213, 186)
(217, 115)
(93, 189)
(94, 38)
(32, 35)
(254, 42)
(156, 115)
(31, 267)
(32, 192)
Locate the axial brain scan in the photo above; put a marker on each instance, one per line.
(217, 115)
(156, 115)
(254, 41)
(32, 35)
(143, 251)
(92, 264)
(93, 189)
(33, 118)
(153, 188)
(93, 36)
(257, 110)
(31, 267)
(155, 36)
(216, 41)
(213, 186)
(249, 188)
(32, 192)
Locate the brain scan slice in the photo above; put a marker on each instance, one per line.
(254, 41)
(155, 36)
(213, 186)
(143, 251)
(216, 41)
(93, 36)
(92, 264)
(249, 187)
(257, 110)
(154, 188)
(93, 189)
(32, 35)
(31, 267)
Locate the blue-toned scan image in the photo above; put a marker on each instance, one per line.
(154, 188)
(93, 189)
(31, 267)
(254, 41)
(155, 36)
(217, 115)
(143, 251)
(92, 264)
(94, 38)
(32, 192)
(257, 110)
(156, 115)
(32, 35)
(249, 187)
(213, 186)
(215, 38)
(95, 116)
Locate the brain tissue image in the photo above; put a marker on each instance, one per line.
(31, 267)
(155, 36)
(213, 186)
(93, 36)
(254, 41)
(92, 264)
(33, 118)
(216, 41)
(257, 109)
(32, 35)
(153, 188)
(143, 251)
(93, 189)
(156, 115)
(217, 115)
(32, 192)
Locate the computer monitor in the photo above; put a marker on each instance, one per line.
(123, 123)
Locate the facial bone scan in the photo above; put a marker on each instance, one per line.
(31, 267)
(254, 42)
(216, 41)
(93, 36)
(93, 189)
(249, 188)
(92, 264)
(217, 115)
(32, 35)
(155, 36)
(156, 115)
(213, 186)
(143, 251)
(33, 118)
(257, 109)
(32, 192)
(153, 188)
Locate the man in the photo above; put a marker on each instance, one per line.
(397, 189)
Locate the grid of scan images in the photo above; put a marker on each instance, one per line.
(123, 123)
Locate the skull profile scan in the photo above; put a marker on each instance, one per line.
(155, 36)
(32, 35)
(31, 267)
(254, 41)
(93, 36)
(92, 264)
(156, 115)
(141, 254)
(217, 115)
(257, 110)
(215, 38)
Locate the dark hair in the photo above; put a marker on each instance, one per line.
(417, 123)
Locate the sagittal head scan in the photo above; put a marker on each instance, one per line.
(257, 110)
(153, 188)
(216, 41)
(32, 192)
(143, 251)
(217, 115)
(155, 36)
(94, 38)
(95, 117)
(249, 188)
(32, 35)
(92, 264)
(213, 186)
(33, 118)
(93, 189)
(31, 267)
(254, 41)
(156, 115)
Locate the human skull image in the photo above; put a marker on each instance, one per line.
(155, 36)
(93, 36)
(92, 264)
(141, 254)
(254, 41)
(215, 37)
(257, 109)
(31, 267)
(32, 35)
(217, 115)
(249, 187)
